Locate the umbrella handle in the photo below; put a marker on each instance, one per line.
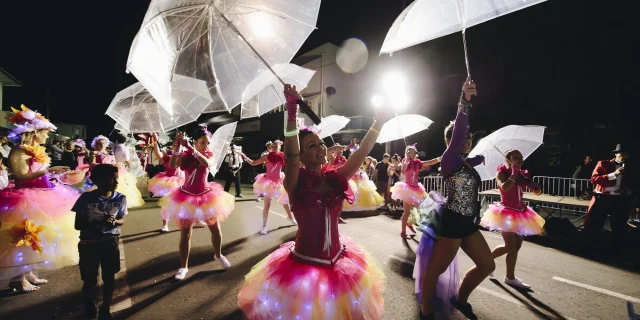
(304, 107)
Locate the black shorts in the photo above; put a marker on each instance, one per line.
(104, 254)
(457, 226)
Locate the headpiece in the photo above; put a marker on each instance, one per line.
(27, 120)
(278, 142)
(411, 146)
(80, 143)
(206, 131)
(96, 139)
(268, 143)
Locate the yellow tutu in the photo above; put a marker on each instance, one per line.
(367, 198)
(127, 185)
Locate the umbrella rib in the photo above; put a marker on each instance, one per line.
(276, 13)
(193, 27)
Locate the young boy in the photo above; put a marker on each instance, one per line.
(98, 215)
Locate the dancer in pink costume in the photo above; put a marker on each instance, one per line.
(269, 184)
(197, 199)
(320, 275)
(410, 192)
(36, 221)
(511, 216)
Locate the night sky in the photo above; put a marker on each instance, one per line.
(565, 64)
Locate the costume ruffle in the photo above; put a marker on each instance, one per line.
(128, 186)
(412, 195)
(366, 196)
(267, 187)
(211, 206)
(161, 184)
(50, 208)
(504, 219)
(282, 287)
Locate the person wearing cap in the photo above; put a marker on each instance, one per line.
(611, 196)
(234, 163)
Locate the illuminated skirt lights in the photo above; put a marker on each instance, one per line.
(412, 195)
(282, 287)
(504, 219)
(268, 188)
(50, 208)
(128, 186)
(210, 207)
(161, 184)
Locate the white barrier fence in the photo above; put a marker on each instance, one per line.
(437, 183)
(563, 187)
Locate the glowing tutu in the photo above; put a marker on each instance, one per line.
(412, 195)
(267, 187)
(281, 287)
(504, 219)
(127, 185)
(184, 208)
(161, 184)
(367, 198)
(33, 207)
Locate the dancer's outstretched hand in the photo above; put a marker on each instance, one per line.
(469, 89)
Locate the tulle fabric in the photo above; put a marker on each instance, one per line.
(501, 218)
(128, 186)
(412, 195)
(448, 281)
(211, 207)
(46, 207)
(161, 184)
(282, 287)
(270, 188)
(367, 198)
(73, 177)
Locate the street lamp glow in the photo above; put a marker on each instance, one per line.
(393, 82)
(377, 101)
(399, 100)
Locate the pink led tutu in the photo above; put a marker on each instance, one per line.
(210, 206)
(281, 287)
(411, 194)
(161, 184)
(505, 219)
(48, 207)
(268, 187)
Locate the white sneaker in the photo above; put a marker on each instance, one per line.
(182, 272)
(259, 199)
(224, 262)
(293, 221)
(516, 283)
(165, 228)
(263, 231)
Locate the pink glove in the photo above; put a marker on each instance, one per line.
(188, 145)
(515, 170)
(292, 105)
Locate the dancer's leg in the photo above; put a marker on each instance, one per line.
(185, 245)
(476, 247)
(444, 250)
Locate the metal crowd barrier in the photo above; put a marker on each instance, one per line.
(563, 187)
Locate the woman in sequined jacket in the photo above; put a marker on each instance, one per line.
(458, 226)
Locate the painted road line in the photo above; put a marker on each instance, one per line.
(276, 213)
(500, 295)
(600, 290)
(401, 259)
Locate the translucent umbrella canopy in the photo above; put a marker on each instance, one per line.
(144, 117)
(330, 125)
(220, 143)
(227, 44)
(402, 126)
(266, 92)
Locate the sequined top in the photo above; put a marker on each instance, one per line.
(461, 180)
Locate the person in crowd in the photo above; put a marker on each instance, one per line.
(197, 199)
(263, 167)
(269, 184)
(5, 148)
(511, 216)
(4, 174)
(321, 275)
(584, 172)
(382, 180)
(68, 158)
(394, 171)
(234, 164)
(128, 184)
(99, 213)
(369, 167)
(613, 196)
(81, 153)
(36, 223)
(56, 152)
(458, 228)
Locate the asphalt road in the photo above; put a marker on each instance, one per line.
(564, 286)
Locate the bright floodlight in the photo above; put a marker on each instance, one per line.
(399, 100)
(377, 101)
(394, 82)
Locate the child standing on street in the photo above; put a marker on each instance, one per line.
(99, 213)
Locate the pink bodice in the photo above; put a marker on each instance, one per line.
(170, 172)
(317, 213)
(274, 164)
(196, 175)
(412, 173)
(513, 198)
(41, 182)
(103, 157)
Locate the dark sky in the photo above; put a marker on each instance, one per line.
(565, 64)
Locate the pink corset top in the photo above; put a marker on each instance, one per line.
(412, 173)
(274, 164)
(317, 213)
(196, 175)
(41, 182)
(513, 198)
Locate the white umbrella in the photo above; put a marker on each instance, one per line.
(402, 126)
(220, 143)
(425, 20)
(266, 92)
(143, 117)
(330, 125)
(524, 138)
(227, 44)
